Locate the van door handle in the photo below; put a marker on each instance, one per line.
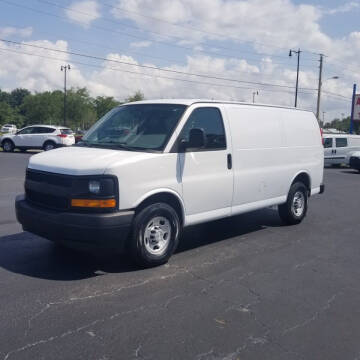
(229, 161)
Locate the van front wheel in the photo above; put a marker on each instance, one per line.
(295, 208)
(155, 235)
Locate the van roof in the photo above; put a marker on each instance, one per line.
(189, 102)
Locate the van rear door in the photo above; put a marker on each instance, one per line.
(341, 150)
(206, 173)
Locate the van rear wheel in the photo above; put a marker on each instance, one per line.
(295, 208)
(155, 235)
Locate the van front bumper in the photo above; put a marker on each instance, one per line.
(78, 230)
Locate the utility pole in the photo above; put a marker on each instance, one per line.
(352, 110)
(298, 52)
(65, 68)
(319, 87)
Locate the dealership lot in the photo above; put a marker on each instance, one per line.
(241, 288)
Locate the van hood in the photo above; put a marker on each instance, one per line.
(83, 160)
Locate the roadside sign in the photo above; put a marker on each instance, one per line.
(357, 108)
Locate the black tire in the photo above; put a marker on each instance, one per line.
(144, 225)
(289, 212)
(8, 146)
(49, 145)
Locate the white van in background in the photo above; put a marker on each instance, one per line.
(147, 169)
(338, 148)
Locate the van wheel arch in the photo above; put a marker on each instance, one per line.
(303, 178)
(167, 198)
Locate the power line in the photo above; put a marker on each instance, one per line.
(134, 72)
(145, 66)
(199, 30)
(303, 91)
(150, 32)
(102, 46)
(142, 74)
(137, 36)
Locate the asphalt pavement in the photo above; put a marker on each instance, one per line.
(240, 288)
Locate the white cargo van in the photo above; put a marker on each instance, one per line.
(338, 148)
(147, 169)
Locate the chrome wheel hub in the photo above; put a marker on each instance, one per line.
(298, 204)
(157, 235)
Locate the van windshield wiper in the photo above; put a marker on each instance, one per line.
(112, 144)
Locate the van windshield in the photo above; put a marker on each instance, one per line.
(135, 127)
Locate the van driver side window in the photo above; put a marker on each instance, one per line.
(328, 143)
(208, 119)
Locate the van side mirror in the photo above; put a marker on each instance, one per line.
(197, 138)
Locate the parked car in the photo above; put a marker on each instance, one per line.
(8, 128)
(44, 137)
(354, 162)
(338, 148)
(182, 162)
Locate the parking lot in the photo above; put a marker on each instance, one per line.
(240, 288)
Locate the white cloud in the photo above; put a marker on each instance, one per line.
(9, 31)
(83, 12)
(269, 26)
(347, 7)
(140, 44)
(278, 22)
(33, 72)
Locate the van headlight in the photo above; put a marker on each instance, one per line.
(101, 191)
(94, 187)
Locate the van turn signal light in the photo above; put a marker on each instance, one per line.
(93, 203)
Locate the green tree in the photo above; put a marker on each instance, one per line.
(4, 96)
(104, 104)
(9, 115)
(81, 113)
(17, 97)
(138, 96)
(43, 108)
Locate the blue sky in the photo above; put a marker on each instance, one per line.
(253, 47)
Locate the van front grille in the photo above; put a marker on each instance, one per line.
(48, 189)
(47, 200)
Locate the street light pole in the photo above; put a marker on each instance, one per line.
(298, 52)
(65, 68)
